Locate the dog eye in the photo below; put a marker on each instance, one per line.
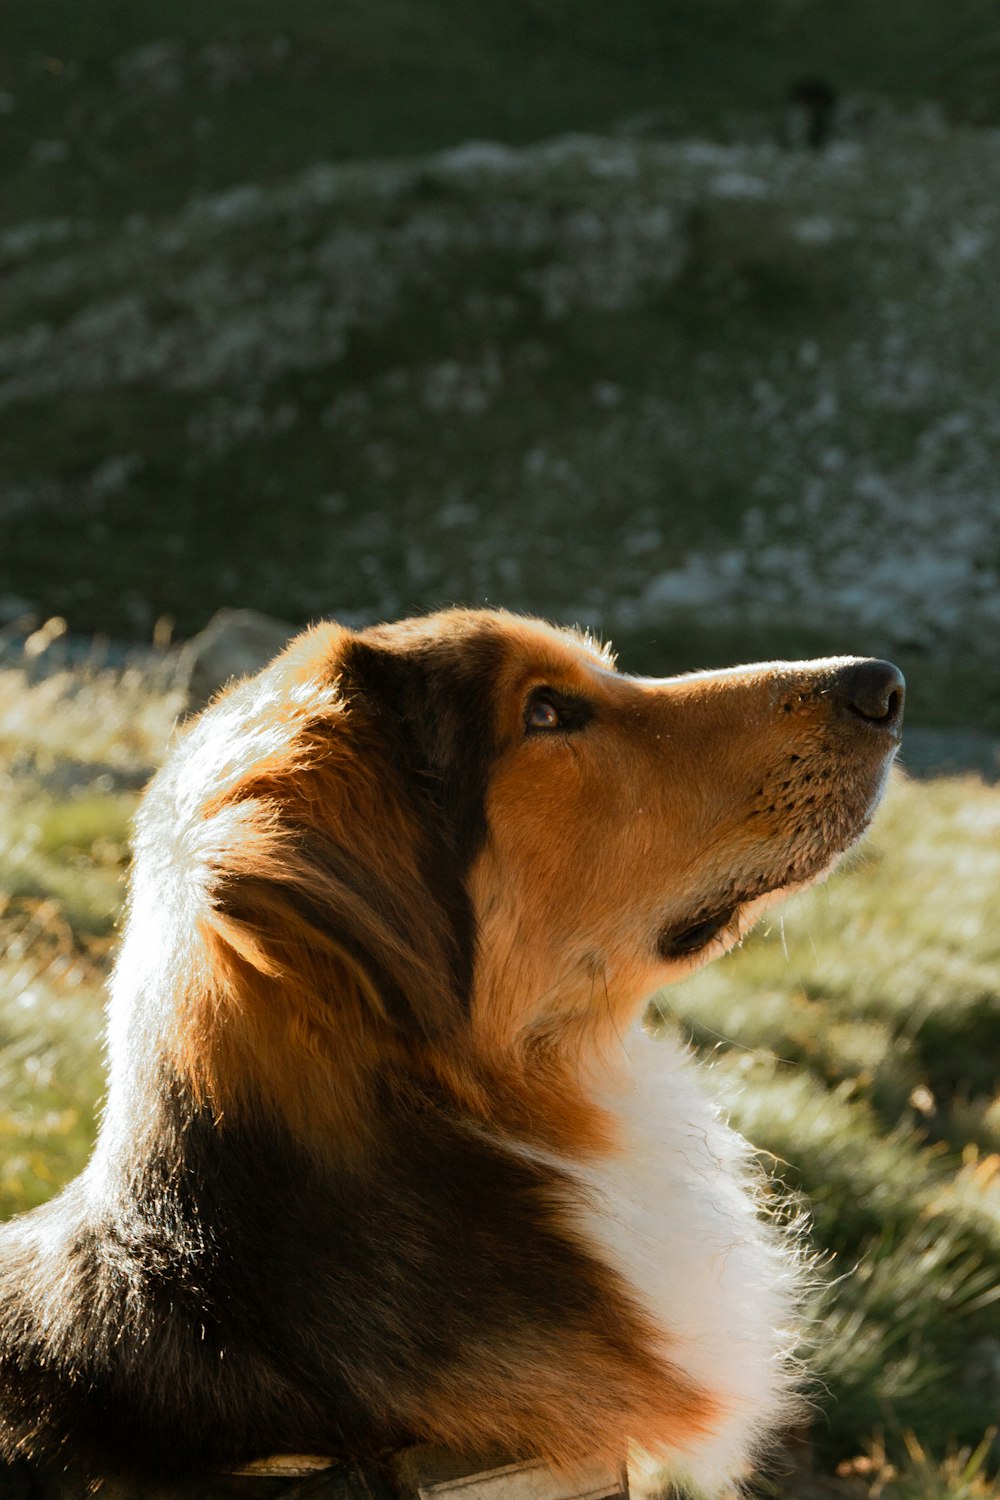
(548, 710)
(541, 713)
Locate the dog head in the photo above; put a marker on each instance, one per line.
(467, 843)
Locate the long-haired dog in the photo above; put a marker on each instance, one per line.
(385, 1156)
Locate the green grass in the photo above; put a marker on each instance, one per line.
(962, 1475)
(51, 1077)
(858, 1035)
(74, 749)
(854, 1038)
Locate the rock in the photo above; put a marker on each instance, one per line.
(234, 643)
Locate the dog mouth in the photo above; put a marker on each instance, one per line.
(683, 942)
(810, 805)
(810, 852)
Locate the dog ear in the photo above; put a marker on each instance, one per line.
(301, 989)
(319, 821)
(335, 868)
(300, 920)
(433, 700)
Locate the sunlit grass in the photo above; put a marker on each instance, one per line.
(857, 1036)
(75, 747)
(962, 1474)
(855, 1039)
(51, 1077)
(102, 721)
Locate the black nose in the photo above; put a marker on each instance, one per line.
(872, 690)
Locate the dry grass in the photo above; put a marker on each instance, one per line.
(856, 1040)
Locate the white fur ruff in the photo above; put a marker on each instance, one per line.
(677, 1213)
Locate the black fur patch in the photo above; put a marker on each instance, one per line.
(228, 1297)
(433, 702)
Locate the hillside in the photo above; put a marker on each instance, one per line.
(110, 110)
(714, 399)
(271, 336)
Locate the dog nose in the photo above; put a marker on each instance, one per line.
(871, 690)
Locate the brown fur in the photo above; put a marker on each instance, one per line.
(381, 925)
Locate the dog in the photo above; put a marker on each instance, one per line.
(386, 1154)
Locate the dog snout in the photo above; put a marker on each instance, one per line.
(873, 691)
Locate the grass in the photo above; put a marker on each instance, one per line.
(962, 1475)
(859, 1036)
(854, 1038)
(74, 749)
(51, 980)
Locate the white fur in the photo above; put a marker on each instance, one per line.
(677, 1214)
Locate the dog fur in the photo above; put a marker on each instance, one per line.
(386, 1154)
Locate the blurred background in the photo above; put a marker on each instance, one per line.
(676, 320)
